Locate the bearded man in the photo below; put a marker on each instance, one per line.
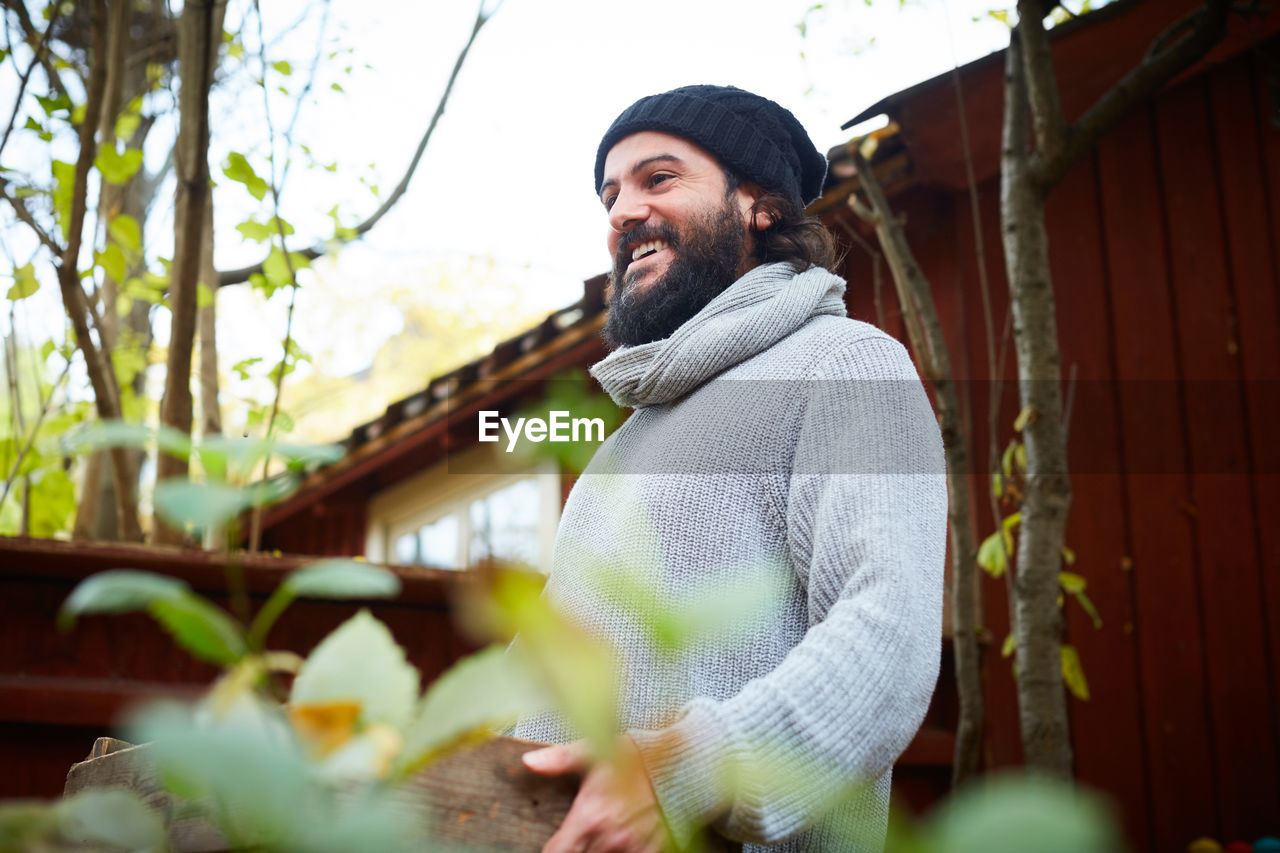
(775, 441)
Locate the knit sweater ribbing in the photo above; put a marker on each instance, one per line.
(801, 452)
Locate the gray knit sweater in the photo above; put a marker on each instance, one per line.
(773, 440)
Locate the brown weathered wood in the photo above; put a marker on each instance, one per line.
(107, 745)
(481, 798)
(131, 768)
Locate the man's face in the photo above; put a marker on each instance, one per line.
(677, 238)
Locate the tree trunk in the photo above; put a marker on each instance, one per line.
(97, 361)
(1037, 617)
(924, 329)
(96, 512)
(197, 51)
(210, 410)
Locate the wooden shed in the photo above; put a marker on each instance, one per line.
(1163, 246)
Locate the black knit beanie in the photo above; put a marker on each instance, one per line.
(756, 138)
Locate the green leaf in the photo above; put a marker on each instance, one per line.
(204, 295)
(203, 506)
(53, 105)
(577, 669)
(997, 485)
(244, 773)
(112, 260)
(117, 167)
(336, 87)
(1071, 582)
(1008, 523)
(1088, 608)
(360, 662)
(479, 694)
(1068, 556)
(127, 124)
(1009, 646)
(25, 282)
(64, 179)
(282, 67)
(118, 591)
(124, 230)
(200, 628)
(53, 502)
(241, 368)
(992, 556)
(343, 579)
(110, 816)
(237, 168)
(1016, 812)
(260, 232)
(1006, 460)
(102, 434)
(254, 230)
(1073, 673)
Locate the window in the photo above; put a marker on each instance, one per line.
(448, 520)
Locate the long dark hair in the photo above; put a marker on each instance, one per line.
(793, 236)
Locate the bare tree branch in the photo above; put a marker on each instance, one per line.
(1042, 84)
(236, 276)
(255, 528)
(24, 213)
(22, 84)
(924, 328)
(306, 90)
(1153, 72)
(34, 35)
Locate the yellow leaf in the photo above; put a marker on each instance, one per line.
(1010, 645)
(992, 556)
(1024, 417)
(324, 726)
(1071, 582)
(1073, 673)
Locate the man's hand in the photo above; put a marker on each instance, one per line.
(615, 810)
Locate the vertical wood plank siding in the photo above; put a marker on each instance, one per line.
(1164, 256)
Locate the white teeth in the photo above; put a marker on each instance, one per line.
(645, 248)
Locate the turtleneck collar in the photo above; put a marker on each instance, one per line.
(751, 315)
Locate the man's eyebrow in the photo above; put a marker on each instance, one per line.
(639, 167)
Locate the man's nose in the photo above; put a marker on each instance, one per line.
(628, 211)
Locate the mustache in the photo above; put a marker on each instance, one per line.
(643, 234)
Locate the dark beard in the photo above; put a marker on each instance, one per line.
(706, 262)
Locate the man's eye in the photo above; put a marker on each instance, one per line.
(658, 178)
(608, 202)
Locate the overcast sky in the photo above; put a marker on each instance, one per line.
(508, 175)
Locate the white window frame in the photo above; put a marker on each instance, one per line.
(450, 487)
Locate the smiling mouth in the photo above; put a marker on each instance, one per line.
(644, 250)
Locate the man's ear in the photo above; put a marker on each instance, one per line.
(758, 219)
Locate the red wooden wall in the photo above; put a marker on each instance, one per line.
(1163, 249)
(58, 692)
